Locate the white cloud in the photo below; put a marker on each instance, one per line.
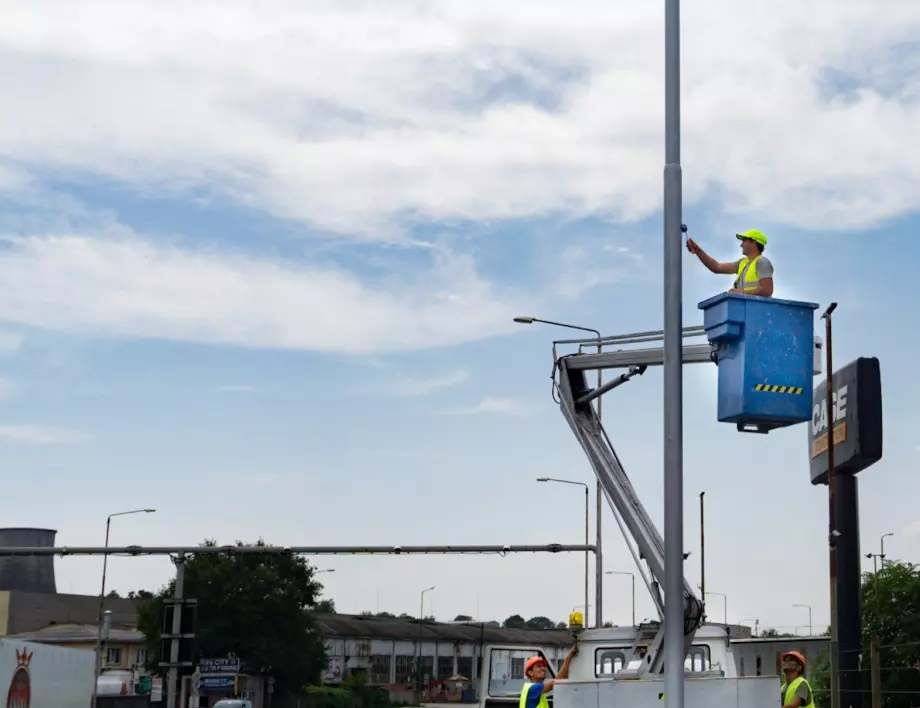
(7, 388)
(124, 286)
(41, 435)
(359, 115)
(427, 386)
(503, 406)
(10, 341)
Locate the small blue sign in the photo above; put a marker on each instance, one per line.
(216, 683)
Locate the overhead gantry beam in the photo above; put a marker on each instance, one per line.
(293, 550)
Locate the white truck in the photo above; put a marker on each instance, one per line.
(43, 676)
(625, 666)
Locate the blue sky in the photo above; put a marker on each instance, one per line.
(261, 274)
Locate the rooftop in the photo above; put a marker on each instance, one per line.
(366, 627)
(79, 634)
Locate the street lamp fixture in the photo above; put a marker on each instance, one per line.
(99, 615)
(633, 576)
(807, 607)
(587, 528)
(882, 543)
(598, 516)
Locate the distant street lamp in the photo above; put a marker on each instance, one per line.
(598, 555)
(633, 576)
(418, 649)
(882, 543)
(587, 528)
(105, 564)
(755, 621)
(324, 570)
(808, 607)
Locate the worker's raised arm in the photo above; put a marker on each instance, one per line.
(564, 669)
(711, 263)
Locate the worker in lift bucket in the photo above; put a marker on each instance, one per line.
(753, 271)
(796, 691)
(536, 685)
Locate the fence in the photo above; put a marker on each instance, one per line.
(888, 677)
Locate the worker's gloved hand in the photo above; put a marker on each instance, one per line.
(692, 247)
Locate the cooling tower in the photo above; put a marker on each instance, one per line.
(27, 573)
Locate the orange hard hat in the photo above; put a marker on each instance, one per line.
(795, 655)
(534, 661)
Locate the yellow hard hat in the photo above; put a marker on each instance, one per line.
(755, 235)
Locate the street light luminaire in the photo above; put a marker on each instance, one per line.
(524, 320)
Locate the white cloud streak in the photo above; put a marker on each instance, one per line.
(490, 405)
(361, 116)
(41, 435)
(120, 285)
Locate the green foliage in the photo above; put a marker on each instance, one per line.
(775, 633)
(540, 623)
(463, 618)
(325, 607)
(257, 606)
(514, 622)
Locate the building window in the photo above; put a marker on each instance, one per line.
(113, 656)
(141, 657)
(445, 667)
(380, 669)
(426, 667)
(404, 666)
(465, 666)
(517, 667)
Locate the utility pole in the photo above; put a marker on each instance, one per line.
(703, 553)
(673, 370)
(832, 515)
(172, 676)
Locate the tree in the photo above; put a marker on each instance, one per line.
(113, 594)
(463, 618)
(770, 632)
(562, 625)
(540, 623)
(324, 607)
(515, 622)
(889, 597)
(140, 595)
(257, 606)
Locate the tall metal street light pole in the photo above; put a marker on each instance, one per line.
(808, 607)
(105, 565)
(882, 544)
(587, 527)
(633, 576)
(418, 649)
(598, 555)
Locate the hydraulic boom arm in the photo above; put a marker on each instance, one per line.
(575, 396)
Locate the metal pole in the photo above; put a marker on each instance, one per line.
(587, 555)
(673, 370)
(598, 557)
(832, 517)
(703, 553)
(97, 669)
(634, 600)
(882, 542)
(172, 676)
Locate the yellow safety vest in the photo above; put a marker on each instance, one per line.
(751, 281)
(789, 692)
(522, 703)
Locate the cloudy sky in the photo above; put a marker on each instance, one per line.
(261, 262)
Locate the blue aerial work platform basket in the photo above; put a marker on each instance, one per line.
(764, 349)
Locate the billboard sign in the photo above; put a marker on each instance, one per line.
(229, 665)
(856, 420)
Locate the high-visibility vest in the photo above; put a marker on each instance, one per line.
(790, 689)
(542, 703)
(751, 281)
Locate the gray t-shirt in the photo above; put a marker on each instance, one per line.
(764, 269)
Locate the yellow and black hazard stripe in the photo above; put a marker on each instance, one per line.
(794, 390)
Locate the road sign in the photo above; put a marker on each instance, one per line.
(856, 409)
(217, 682)
(226, 665)
(156, 690)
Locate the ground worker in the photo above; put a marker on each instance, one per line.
(753, 273)
(796, 691)
(536, 685)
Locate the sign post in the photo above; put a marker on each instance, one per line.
(847, 409)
